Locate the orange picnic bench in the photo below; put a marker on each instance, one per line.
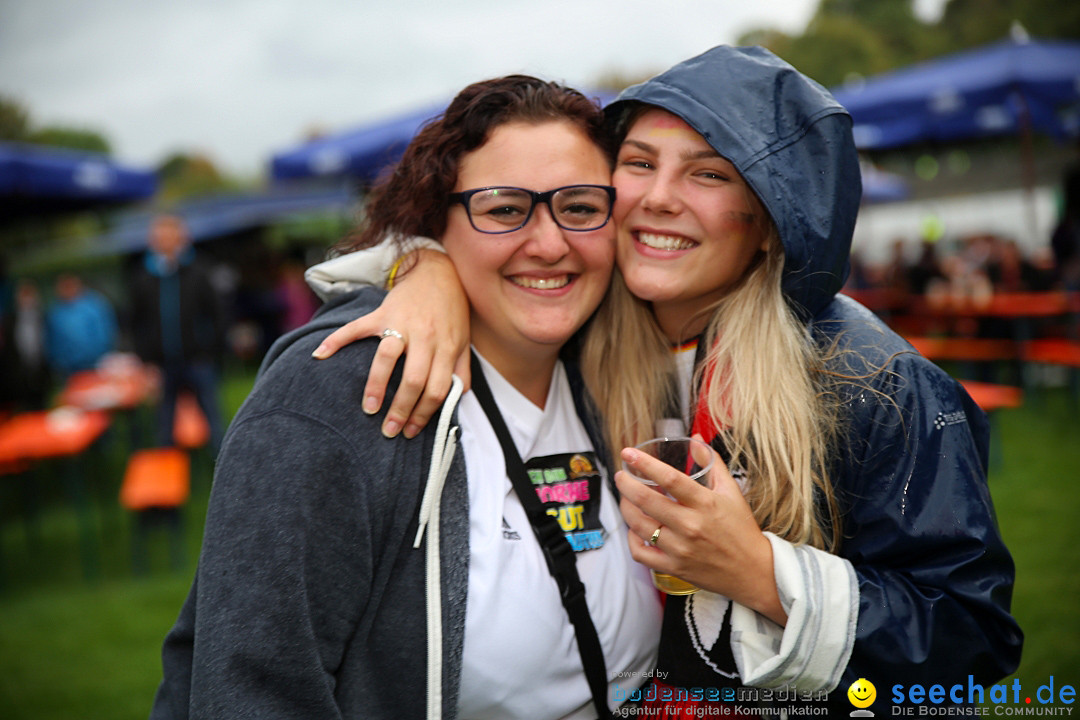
(156, 486)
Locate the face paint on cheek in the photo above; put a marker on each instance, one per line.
(742, 228)
(743, 221)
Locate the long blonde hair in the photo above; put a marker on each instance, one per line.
(764, 383)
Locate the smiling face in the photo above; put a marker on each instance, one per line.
(688, 224)
(862, 693)
(530, 289)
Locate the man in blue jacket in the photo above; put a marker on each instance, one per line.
(177, 324)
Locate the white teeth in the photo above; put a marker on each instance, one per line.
(535, 283)
(665, 242)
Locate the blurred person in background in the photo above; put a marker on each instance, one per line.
(926, 270)
(896, 271)
(7, 286)
(1065, 239)
(26, 379)
(1011, 270)
(80, 327)
(177, 324)
(961, 284)
(296, 301)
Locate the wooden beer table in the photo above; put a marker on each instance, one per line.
(64, 433)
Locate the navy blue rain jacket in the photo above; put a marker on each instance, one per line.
(935, 578)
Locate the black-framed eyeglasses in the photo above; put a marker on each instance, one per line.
(498, 210)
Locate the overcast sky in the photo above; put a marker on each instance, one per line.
(242, 79)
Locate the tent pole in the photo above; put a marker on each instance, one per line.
(1027, 160)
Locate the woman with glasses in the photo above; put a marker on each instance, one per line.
(849, 533)
(346, 574)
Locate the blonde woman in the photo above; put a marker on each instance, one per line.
(849, 532)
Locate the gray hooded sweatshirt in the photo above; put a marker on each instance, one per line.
(316, 605)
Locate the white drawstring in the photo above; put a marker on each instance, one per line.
(442, 455)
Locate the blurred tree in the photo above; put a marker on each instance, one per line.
(185, 175)
(14, 120)
(836, 48)
(776, 40)
(73, 138)
(846, 38)
(1051, 18)
(892, 23)
(970, 23)
(15, 126)
(616, 80)
(852, 37)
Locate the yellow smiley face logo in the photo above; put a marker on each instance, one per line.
(862, 693)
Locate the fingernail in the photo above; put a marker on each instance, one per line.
(630, 455)
(412, 430)
(391, 428)
(320, 353)
(371, 404)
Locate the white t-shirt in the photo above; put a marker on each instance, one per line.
(520, 657)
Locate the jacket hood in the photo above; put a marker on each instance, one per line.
(791, 142)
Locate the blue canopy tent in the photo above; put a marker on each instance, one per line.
(361, 153)
(1013, 86)
(224, 215)
(879, 186)
(1017, 87)
(38, 180)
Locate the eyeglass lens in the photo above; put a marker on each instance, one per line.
(502, 209)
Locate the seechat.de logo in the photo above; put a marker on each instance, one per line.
(971, 699)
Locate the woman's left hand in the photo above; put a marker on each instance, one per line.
(708, 536)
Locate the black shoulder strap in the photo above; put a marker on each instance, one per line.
(557, 551)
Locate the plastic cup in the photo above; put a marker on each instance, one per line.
(679, 453)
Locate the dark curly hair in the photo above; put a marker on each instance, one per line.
(413, 199)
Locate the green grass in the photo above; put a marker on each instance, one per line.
(86, 651)
(72, 648)
(1037, 498)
